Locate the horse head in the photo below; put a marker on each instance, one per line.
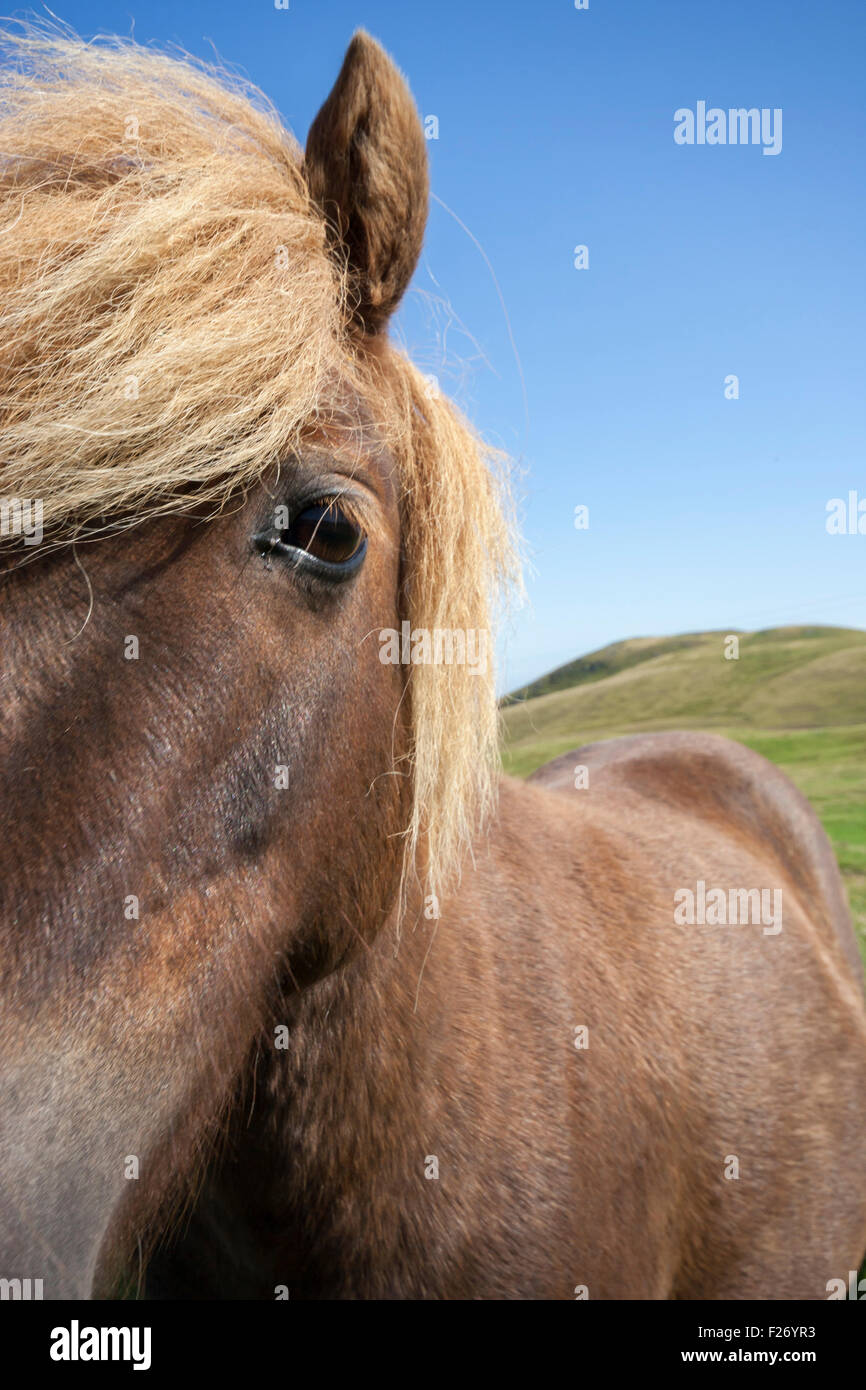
(213, 789)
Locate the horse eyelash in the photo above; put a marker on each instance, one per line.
(333, 500)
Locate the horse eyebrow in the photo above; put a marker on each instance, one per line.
(372, 458)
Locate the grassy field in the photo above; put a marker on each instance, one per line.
(795, 694)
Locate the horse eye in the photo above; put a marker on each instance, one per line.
(324, 531)
(321, 538)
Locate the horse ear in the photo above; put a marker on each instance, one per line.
(366, 166)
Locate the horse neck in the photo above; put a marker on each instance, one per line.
(352, 1040)
(346, 1097)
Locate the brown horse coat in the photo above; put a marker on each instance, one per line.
(606, 1169)
(244, 1029)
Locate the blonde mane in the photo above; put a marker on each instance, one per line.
(173, 326)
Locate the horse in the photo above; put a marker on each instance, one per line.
(301, 997)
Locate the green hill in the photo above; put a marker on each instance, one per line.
(796, 694)
(619, 656)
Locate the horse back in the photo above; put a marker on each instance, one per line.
(709, 1043)
(730, 790)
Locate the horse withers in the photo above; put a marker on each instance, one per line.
(299, 998)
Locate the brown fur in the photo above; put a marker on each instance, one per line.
(366, 164)
(558, 1168)
(410, 1036)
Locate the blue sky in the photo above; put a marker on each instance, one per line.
(556, 130)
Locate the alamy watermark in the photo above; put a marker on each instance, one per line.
(737, 126)
(438, 646)
(20, 1290)
(854, 1288)
(714, 907)
(21, 516)
(77, 1343)
(846, 517)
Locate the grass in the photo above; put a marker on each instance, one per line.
(797, 695)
